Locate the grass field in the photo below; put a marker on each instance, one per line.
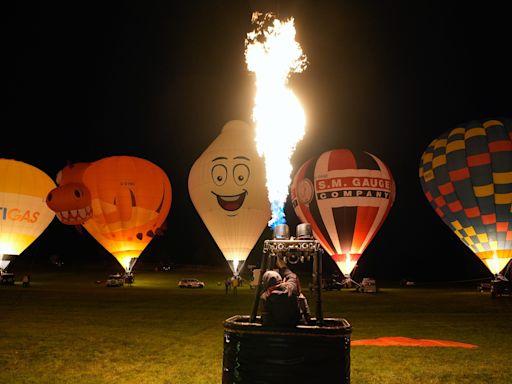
(66, 328)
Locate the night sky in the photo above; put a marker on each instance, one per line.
(158, 80)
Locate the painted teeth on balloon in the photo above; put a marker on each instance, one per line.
(65, 214)
(83, 213)
(74, 213)
(230, 198)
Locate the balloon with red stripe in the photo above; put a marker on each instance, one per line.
(345, 195)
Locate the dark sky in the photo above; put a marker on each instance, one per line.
(158, 80)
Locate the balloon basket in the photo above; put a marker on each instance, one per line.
(256, 354)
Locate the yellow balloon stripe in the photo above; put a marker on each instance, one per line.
(482, 237)
(502, 177)
(455, 145)
(470, 231)
(441, 143)
(456, 225)
(457, 131)
(474, 132)
(484, 190)
(438, 161)
(503, 198)
(427, 158)
(491, 123)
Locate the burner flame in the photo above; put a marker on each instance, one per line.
(273, 55)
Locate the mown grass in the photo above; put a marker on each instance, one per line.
(65, 328)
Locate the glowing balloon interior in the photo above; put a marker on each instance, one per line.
(23, 211)
(346, 196)
(466, 175)
(122, 201)
(227, 187)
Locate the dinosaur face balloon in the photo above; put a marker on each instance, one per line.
(122, 201)
(227, 187)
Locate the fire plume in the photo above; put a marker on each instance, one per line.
(273, 55)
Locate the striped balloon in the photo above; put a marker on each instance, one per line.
(466, 175)
(346, 196)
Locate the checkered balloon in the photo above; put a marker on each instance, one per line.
(466, 175)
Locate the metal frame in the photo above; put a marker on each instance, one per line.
(292, 251)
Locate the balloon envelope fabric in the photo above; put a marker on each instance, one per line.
(122, 201)
(466, 175)
(346, 196)
(227, 187)
(23, 211)
(130, 199)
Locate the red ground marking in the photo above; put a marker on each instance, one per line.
(408, 342)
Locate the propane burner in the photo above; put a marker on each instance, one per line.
(290, 249)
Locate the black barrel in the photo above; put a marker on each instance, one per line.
(254, 354)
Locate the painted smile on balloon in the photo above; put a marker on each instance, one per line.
(231, 203)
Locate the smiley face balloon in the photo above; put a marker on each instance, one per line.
(227, 187)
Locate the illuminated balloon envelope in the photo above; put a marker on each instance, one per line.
(466, 175)
(23, 211)
(346, 196)
(122, 201)
(227, 187)
(130, 199)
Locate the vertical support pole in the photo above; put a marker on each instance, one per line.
(255, 305)
(317, 283)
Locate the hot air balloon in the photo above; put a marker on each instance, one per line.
(346, 196)
(122, 201)
(23, 211)
(466, 175)
(227, 187)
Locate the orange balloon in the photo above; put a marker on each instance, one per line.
(122, 201)
(130, 200)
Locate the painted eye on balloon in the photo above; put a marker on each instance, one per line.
(219, 174)
(241, 174)
(77, 193)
